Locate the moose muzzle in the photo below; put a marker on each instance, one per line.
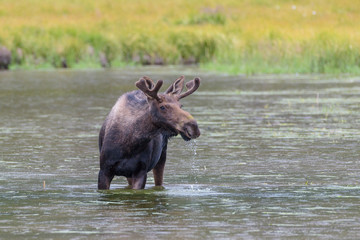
(190, 130)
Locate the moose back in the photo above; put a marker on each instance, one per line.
(133, 139)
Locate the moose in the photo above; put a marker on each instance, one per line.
(134, 136)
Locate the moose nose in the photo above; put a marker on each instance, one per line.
(191, 129)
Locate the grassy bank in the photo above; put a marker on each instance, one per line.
(260, 36)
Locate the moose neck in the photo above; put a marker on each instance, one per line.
(144, 128)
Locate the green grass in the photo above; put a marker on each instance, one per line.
(237, 37)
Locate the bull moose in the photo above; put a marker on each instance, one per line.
(133, 139)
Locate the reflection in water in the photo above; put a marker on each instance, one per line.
(277, 158)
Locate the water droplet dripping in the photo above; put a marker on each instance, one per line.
(194, 167)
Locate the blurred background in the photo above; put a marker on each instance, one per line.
(258, 36)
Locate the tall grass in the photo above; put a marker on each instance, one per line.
(260, 36)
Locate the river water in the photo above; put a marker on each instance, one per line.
(278, 158)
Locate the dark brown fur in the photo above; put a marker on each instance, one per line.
(133, 139)
(5, 58)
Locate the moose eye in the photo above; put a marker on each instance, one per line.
(162, 107)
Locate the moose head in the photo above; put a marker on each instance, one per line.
(165, 109)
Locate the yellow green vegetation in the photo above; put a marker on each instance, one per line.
(249, 36)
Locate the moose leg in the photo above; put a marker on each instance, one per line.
(158, 170)
(139, 181)
(104, 179)
(129, 180)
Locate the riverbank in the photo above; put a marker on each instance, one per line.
(232, 36)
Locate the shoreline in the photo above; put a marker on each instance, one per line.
(229, 69)
(187, 70)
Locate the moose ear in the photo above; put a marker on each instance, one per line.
(177, 87)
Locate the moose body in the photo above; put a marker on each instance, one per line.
(133, 139)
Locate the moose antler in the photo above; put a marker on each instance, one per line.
(176, 87)
(146, 85)
(191, 87)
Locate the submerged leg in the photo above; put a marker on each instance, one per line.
(139, 181)
(104, 179)
(158, 170)
(129, 180)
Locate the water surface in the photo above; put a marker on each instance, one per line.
(278, 158)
